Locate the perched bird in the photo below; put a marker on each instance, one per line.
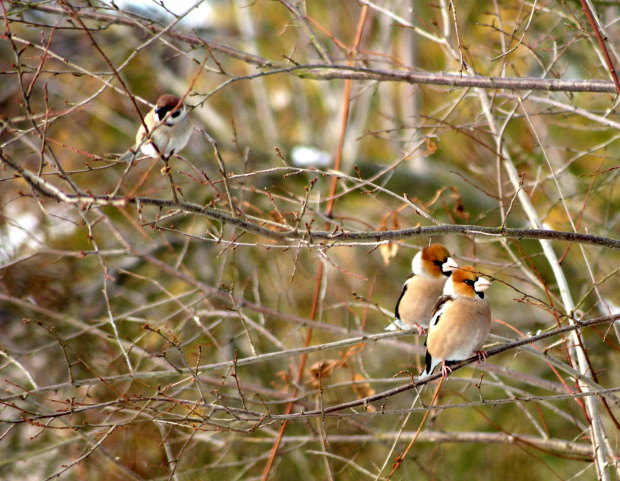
(431, 268)
(168, 128)
(461, 321)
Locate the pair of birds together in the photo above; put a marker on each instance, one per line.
(448, 300)
(439, 295)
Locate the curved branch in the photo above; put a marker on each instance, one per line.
(492, 352)
(315, 238)
(332, 72)
(271, 356)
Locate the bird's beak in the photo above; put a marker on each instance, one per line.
(449, 266)
(481, 284)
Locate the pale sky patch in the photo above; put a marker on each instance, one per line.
(201, 16)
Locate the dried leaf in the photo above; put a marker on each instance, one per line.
(284, 376)
(355, 349)
(431, 147)
(284, 219)
(388, 251)
(436, 198)
(459, 208)
(363, 389)
(323, 369)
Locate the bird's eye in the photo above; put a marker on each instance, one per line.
(176, 114)
(469, 282)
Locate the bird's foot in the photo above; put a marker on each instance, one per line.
(445, 369)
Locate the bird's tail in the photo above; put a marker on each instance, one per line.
(430, 365)
(128, 156)
(424, 374)
(397, 325)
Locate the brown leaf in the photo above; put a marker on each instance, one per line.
(459, 208)
(355, 349)
(363, 390)
(388, 251)
(284, 376)
(323, 369)
(283, 219)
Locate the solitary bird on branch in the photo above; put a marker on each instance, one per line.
(168, 127)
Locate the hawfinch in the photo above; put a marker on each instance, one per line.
(431, 268)
(169, 129)
(461, 321)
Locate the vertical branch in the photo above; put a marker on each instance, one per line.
(260, 92)
(401, 457)
(77, 18)
(345, 110)
(597, 432)
(320, 278)
(320, 272)
(303, 21)
(597, 27)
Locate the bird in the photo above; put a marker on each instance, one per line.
(461, 321)
(431, 268)
(168, 128)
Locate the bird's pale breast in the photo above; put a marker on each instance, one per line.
(416, 305)
(462, 329)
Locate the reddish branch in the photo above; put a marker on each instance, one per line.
(601, 43)
(331, 72)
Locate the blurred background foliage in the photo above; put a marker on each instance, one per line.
(105, 308)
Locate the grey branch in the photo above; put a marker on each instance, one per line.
(331, 72)
(309, 237)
